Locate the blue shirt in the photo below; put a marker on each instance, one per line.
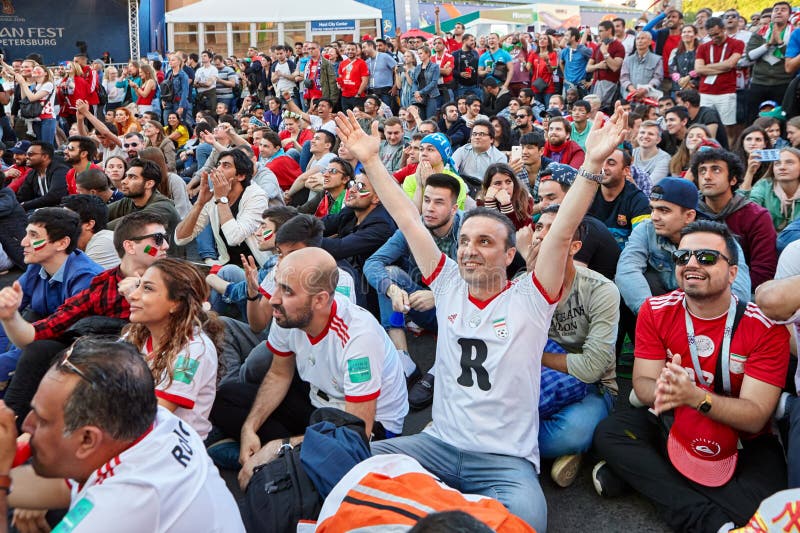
(575, 62)
(793, 47)
(43, 293)
(488, 59)
(381, 70)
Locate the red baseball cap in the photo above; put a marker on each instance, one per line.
(701, 449)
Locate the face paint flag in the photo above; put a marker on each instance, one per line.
(38, 245)
(267, 234)
(149, 250)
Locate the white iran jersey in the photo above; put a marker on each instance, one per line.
(488, 364)
(345, 286)
(164, 482)
(351, 360)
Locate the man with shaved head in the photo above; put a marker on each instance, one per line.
(335, 346)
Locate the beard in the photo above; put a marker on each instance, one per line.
(300, 321)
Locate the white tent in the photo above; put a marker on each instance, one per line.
(253, 11)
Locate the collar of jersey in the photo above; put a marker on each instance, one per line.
(481, 304)
(315, 340)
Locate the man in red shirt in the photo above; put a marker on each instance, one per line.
(711, 368)
(353, 79)
(79, 153)
(446, 63)
(667, 38)
(19, 170)
(606, 63)
(715, 62)
(559, 147)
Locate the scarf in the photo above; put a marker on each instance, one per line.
(787, 203)
(768, 35)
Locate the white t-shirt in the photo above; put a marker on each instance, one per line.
(205, 75)
(488, 364)
(100, 249)
(283, 84)
(194, 382)
(164, 482)
(344, 287)
(317, 124)
(345, 363)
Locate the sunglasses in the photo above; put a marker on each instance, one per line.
(358, 185)
(130, 145)
(331, 170)
(521, 116)
(704, 257)
(66, 363)
(158, 238)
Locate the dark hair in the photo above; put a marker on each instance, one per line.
(520, 197)
(375, 100)
(242, 163)
(93, 179)
(511, 231)
(431, 123)
(717, 228)
(330, 138)
(580, 231)
(327, 101)
(58, 223)
(120, 399)
(681, 111)
(444, 181)
(150, 170)
(306, 229)
(735, 166)
(738, 148)
(682, 46)
(471, 99)
(584, 104)
(714, 22)
(450, 522)
(527, 92)
(504, 142)
(393, 121)
(690, 96)
(47, 148)
(347, 168)
(88, 207)
(573, 32)
(85, 144)
(782, 3)
(606, 25)
(534, 138)
(486, 124)
(561, 120)
(279, 214)
(133, 226)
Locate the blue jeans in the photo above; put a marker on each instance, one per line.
(232, 274)
(305, 155)
(206, 246)
(424, 319)
(511, 480)
(45, 130)
(462, 90)
(571, 429)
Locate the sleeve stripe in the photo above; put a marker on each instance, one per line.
(428, 280)
(277, 352)
(359, 399)
(264, 293)
(637, 220)
(174, 398)
(547, 297)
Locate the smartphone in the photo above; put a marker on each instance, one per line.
(768, 155)
(516, 152)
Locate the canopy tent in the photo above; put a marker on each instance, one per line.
(249, 11)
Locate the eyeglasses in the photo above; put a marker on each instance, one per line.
(331, 170)
(158, 238)
(705, 257)
(479, 134)
(731, 16)
(130, 145)
(359, 186)
(31, 154)
(521, 116)
(66, 363)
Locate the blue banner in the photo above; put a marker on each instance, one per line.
(53, 28)
(338, 26)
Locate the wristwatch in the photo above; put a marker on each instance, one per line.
(705, 406)
(223, 200)
(597, 178)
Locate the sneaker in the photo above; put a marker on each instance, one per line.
(606, 483)
(412, 378)
(565, 469)
(420, 395)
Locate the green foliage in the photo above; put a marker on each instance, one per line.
(745, 7)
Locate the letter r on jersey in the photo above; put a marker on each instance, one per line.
(473, 355)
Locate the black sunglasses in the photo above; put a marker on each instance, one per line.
(158, 238)
(704, 257)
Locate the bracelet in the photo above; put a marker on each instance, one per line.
(253, 298)
(597, 178)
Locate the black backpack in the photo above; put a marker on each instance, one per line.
(167, 90)
(102, 94)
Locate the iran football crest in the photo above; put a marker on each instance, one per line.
(500, 328)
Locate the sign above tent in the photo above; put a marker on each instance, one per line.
(336, 26)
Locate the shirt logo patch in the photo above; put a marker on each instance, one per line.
(500, 328)
(343, 290)
(185, 369)
(452, 318)
(359, 370)
(74, 517)
(737, 363)
(705, 346)
(622, 220)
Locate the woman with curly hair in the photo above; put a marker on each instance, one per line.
(679, 163)
(179, 338)
(503, 191)
(752, 139)
(154, 136)
(125, 121)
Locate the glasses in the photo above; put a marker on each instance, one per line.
(331, 170)
(158, 238)
(130, 145)
(521, 116)
(66, 363)
(31, 154)
(479, 134)
(359, 186)
(705, 257)
(732, 16)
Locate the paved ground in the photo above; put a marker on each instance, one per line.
(577, 508)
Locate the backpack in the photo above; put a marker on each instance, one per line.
(102, 94)
(167, 90)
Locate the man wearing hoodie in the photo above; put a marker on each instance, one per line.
(719, 173)
(452, 125)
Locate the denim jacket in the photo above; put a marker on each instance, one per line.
(431, 88)
(648, 253)
(397, 252)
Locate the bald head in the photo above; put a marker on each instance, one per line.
(313, 269)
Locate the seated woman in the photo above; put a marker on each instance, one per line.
(125, 121)
(750, 140)
(779, 194)
(154, 136)
(176, 131)
(179, 339)
(679, 164)
(503, 191)
(295, 133)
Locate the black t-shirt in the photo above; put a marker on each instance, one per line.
(599, 250)
(708, 116)
(623, 213)
(235, 251)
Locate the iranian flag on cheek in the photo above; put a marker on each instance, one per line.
(38, 245)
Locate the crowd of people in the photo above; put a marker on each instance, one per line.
(211, 248)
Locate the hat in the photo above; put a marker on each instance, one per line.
(490, 81)
(777, 112)
(20, 148)
(676, 191)
(560, 173)
(553, 112)
(767, 103)
(701, 449)
(442, 144)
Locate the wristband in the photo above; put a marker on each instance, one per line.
(253, 298)
(214, 269)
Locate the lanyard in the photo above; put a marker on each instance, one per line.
(711, 53)
(724, 353)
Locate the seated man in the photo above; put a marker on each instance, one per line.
(16, 173)
(140, 187)
(97, 408)
(392, 146)
(139, 242)
(480, 440)
(13, 220)
(336, 347)
(708, 395)
(96, 183)
(395, 276)
(585, 326)
(435, 157)
(560, 148)
(46, 183)
(95, 240)
(322, 147)
(234, 214)
(271, 153)
(474, 158)
(646, 267)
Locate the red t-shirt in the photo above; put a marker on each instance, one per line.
(314, 91)
(615, 49)
(711, 53)
(72, 188)
(443, 61)
(350, 75)
(452, 45)
(759, 347)
(670, 44)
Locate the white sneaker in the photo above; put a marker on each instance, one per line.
(565, 469)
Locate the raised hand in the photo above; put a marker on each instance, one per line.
(10, 300)
(204, 194)
(250, 274)
(361, 145)
(221, 184)
(603, 140)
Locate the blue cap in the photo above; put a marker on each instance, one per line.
(442, 144)
(676, 191)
